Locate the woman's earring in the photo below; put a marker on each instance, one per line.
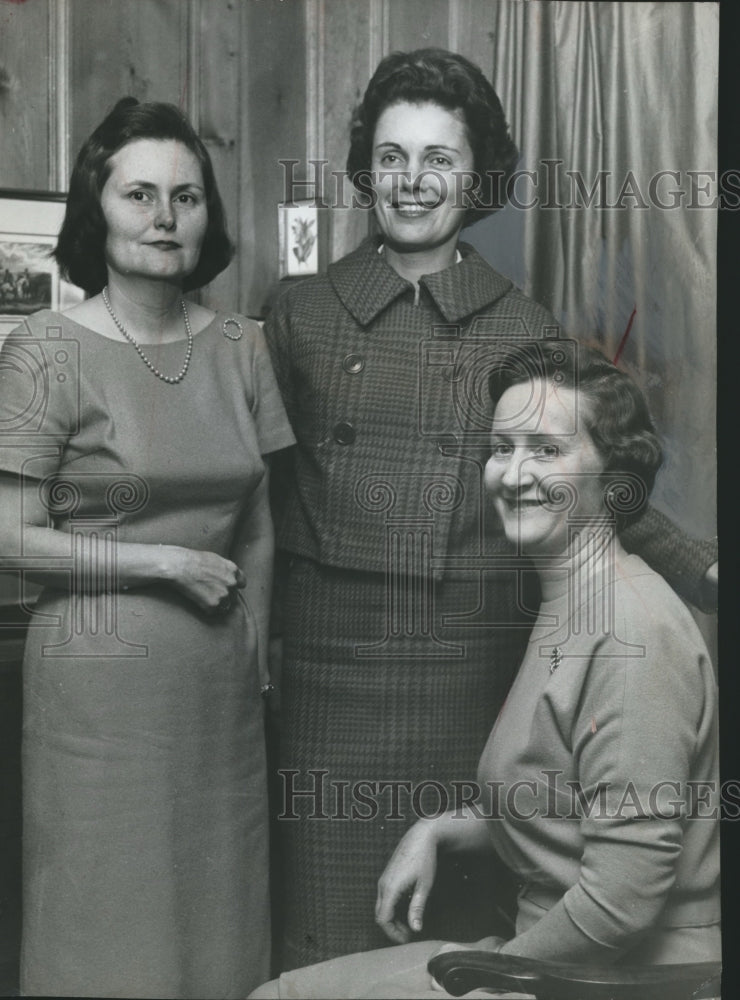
(626, 494)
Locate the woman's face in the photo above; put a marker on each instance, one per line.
(154, 205)
(539, 439)
(420, 158)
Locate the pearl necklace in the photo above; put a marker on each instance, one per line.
(169, 379)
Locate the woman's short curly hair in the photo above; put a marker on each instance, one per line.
(80, 249)
(616, 415)
(454, 83)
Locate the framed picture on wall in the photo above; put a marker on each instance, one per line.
(298, 239)
(29, 277)
(29, 280)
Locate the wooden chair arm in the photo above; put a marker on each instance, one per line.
(458, 972)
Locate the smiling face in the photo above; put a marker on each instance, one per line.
(155, 211)
(419, 157)
(539, 438)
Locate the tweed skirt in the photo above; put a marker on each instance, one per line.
(385, 713)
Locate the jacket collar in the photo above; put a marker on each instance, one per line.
(366, 284)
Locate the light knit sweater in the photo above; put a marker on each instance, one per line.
(630, 702)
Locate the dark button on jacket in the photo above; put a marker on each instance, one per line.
(344, 433)
(353, 364)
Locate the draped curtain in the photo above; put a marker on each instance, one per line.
(629, 89)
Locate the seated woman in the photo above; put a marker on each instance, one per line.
(602, 768)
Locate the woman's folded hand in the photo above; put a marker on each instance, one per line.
(205, 578)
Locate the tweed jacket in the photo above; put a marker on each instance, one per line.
(388, 400)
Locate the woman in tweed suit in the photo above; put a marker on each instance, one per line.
(403, 622)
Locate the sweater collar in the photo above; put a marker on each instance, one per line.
(366, 284)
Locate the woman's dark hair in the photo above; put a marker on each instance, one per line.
(617, 418)
(80, 249)
(454, 83)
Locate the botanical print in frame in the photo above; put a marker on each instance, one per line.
(298, 253)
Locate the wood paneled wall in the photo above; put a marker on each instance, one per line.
(263, 81)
